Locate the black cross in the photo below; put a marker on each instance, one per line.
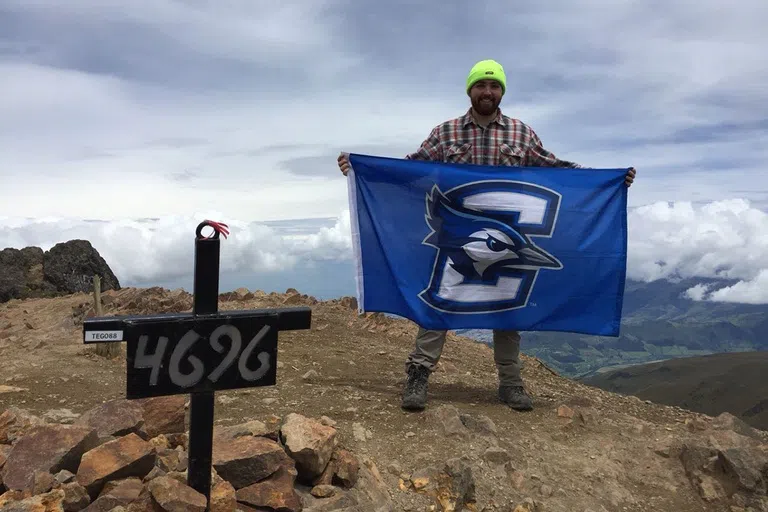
(199, 353)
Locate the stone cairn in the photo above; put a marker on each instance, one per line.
(131, 456)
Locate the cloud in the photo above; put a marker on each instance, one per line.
(151, 250)
(185, 45)
(724, 239)
(184, 176)
(321, 159)
(120, 101)
(754, 291)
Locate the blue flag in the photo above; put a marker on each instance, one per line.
(462, 246)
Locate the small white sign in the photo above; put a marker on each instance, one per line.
(104, 336)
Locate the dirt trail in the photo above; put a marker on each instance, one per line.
(607, 457)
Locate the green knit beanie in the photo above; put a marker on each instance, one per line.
(487, 70)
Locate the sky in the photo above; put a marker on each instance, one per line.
(126, 123)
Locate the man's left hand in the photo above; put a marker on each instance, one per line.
(630, 178)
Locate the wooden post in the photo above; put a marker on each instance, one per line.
(97, 295)
(108, 350)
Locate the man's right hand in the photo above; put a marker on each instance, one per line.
(343, 161)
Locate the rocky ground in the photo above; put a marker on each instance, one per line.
(331, 436)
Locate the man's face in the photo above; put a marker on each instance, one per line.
(485, 96)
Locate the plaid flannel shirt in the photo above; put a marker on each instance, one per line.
(506, 141)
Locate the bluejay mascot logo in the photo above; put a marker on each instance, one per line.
(486, 260)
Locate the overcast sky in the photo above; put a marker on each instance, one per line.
(172, 110)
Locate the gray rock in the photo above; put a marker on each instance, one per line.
(748, 468)
(496, 455)
(62, 416)
(64, 476)
(70, 267)
(21, 274)
(75, 497)
(461, 483)
(479, 424)
(447, 416)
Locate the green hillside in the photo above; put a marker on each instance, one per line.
(659, 323)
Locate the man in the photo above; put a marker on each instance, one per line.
(482, 136)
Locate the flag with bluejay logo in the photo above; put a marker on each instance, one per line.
(461, 246)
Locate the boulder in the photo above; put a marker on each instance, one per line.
(107, 462)
(728, 422)
(174, 496)
(171, 460)
(11, 496)
(128, 456)
(346, 469)
(342, 470)
(246, 460)
(15, 422)
(49, 502)
(274, 493)
(48, 448)
(114, 418)
(163, 415)
(21, 274)
(117, 493)
(42, 482)
(370, 493)
(64, 477)
(75, 497)
(726, 466)
(447, 417)
(223, 497)
(70, 267)
(456, 485)
(747, 469)
(5, 450)
(309, 443)
(250, 428)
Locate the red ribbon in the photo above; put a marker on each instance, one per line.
(218, 227)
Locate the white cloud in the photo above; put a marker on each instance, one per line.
(115, 101)
(754, 291)
(724, 239)
(150, 250)
(697, 292)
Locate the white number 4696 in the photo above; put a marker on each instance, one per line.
(154, 361)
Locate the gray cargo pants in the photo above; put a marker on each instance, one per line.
(506, 353)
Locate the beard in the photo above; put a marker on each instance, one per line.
(485, 106)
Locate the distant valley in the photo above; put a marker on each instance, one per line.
(659, 323)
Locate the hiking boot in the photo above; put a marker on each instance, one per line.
(515, 397)
(415, 391)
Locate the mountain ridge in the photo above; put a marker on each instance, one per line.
(710, 384)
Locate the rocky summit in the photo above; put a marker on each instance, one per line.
(330, 436)
(67, 267)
